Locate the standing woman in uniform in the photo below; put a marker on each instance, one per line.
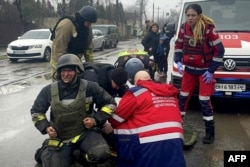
(199, 48)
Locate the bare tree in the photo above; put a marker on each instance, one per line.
(18, 4)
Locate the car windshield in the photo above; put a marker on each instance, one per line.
(227, 17)
(36, 35)
(104, 30)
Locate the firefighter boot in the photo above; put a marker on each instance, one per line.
(209, 138)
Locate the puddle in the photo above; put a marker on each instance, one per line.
(13, 88)
(9, 134)
(22, 84)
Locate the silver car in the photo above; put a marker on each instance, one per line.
(98, 39)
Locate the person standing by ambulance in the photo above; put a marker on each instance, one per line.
(161, 57)
(73, 34)
(151, 40)
(199, 48)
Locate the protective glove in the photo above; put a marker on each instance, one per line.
(180, 67)
(207, 77)
(88, 55)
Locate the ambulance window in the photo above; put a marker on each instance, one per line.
(231, 16)
(224, 14)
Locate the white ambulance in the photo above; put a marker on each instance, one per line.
(233, 24)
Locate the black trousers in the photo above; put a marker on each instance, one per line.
(93, 147)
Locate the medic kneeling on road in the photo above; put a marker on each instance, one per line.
(147, 125)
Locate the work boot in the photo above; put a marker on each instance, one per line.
(208, 139)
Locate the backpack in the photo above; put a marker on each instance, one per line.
(160, 50)
(53, 30)
(102, 71)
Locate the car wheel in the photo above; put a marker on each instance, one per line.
(47, 54)
(13, 60)
(115, 45)
(111, 44)
(102, 47)
(108, 45)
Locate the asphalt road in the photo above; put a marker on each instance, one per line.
(21, 82)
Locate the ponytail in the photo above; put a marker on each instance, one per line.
(199, 29)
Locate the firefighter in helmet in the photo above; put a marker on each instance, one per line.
(72, 124)
(73, 34)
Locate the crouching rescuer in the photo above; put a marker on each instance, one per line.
(72, 124)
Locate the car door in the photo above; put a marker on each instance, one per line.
(99, 38)
(95, 39)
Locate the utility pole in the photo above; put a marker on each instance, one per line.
(163, 16)
(117, 13)
(153, 12)
(63, 10)
(141, 13)
(135, 18)
(18, 4)
(158, 15)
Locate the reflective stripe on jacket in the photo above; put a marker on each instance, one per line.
(152, 120)
(147, 127)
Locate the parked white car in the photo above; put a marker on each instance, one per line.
(98, 39)
(34, 44)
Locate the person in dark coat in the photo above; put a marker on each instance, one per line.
(166, 43)
(151, 41)
(161, 58)
(112, 79)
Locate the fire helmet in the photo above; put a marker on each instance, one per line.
(69, 60)
(88, 13)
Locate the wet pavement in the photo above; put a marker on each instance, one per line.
(19, 139)
(232, 132)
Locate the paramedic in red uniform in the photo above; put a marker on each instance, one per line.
(199, 48)
(147, 125)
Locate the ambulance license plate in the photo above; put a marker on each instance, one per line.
(230, 87)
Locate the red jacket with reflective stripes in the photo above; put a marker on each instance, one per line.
(149, 110)
(210, 51)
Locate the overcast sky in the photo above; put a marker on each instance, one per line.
(163, 5)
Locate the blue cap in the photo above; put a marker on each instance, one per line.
(132, 66)
(164, 37)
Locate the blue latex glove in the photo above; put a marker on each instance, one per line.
(180, 67)
(207, 77)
